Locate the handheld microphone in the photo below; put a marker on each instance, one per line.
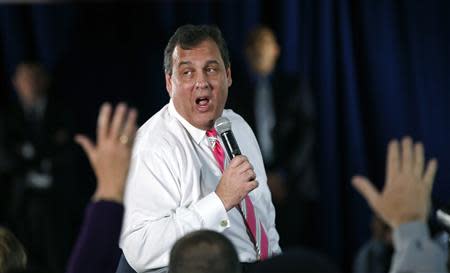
(223, 127)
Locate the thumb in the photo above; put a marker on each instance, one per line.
(366, 189)
(87, 146)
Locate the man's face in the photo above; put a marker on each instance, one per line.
(29, 82)
(269, 50)
(266, 52)
(199, 83)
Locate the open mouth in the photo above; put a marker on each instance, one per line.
(202, 103)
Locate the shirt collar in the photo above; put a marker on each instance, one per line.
(197, 134)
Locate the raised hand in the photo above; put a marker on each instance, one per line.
(110, 158)
(406, 193)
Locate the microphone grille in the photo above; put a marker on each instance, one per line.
(222, 125)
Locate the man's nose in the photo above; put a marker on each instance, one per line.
(201, 82)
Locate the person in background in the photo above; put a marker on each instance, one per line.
(36, 163)
(404, 204)
(204, 251)
(375, 255)
(97, 247)
(13, 258)
(280, 109)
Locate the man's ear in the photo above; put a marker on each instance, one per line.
(229, 79)
(169, 84)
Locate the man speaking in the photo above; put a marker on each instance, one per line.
(180, 177)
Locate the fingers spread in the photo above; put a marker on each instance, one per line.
(103, 121)
(367, 190)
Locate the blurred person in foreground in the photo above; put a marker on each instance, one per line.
(404, 205)
(204, 251)
(36, 166)
(13, 258)
(97, 247)
(180, 177)
(280, 109)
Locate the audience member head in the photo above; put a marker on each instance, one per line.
(262, 50)
(198, 74)
(13, 258)
(31, 82)
(204, 251)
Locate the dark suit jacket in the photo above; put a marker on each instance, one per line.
(294, 132)
(52, 145)
(45, 147)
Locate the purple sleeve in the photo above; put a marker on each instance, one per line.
(97, 248)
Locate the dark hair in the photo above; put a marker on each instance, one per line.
(188, 36)
(12, 254)
(204, 251)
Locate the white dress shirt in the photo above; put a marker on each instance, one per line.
(170, 191)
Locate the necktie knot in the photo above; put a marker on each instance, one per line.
(212, 132)
(212, 138)
(217, 150)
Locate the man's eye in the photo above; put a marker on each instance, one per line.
(187, 73)
(210, 69)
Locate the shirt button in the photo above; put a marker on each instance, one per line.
(224, 223)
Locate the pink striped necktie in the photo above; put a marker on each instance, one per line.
(254, 226)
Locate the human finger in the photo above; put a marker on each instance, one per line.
(418, 159)
(367, 190)
(251, 185)
(129, 130)
(407, 155)
(392, 162)
(238, 160)
(244, 166)
(87, 145)
(117, 121)
(103, 121)
(430, 172)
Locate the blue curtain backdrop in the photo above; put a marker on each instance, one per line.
(378, 69)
